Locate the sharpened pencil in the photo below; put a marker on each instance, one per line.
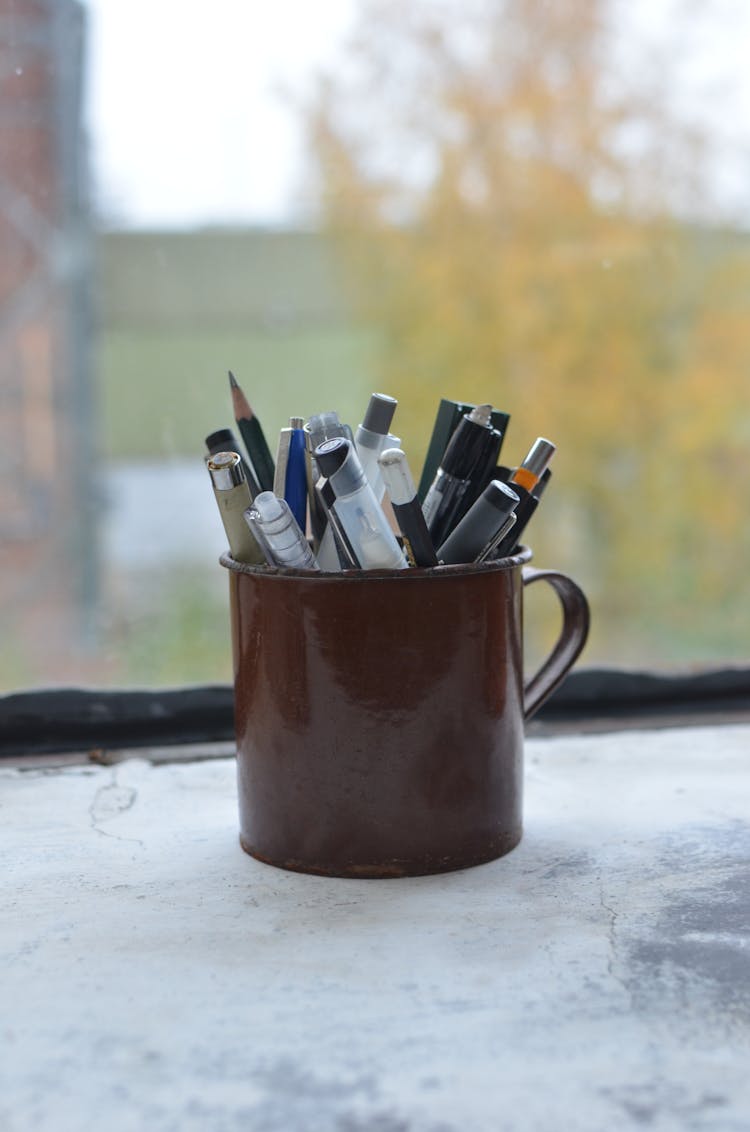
(252, 434)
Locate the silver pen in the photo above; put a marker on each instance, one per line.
(232, 493)
(272, 523)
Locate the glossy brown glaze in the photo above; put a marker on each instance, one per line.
(379, 715)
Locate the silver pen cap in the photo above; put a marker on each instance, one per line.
(226, 471)
(539, 456)
(482, 415)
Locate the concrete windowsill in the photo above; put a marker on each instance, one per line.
(154, 976)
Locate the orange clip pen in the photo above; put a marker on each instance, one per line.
(528, 474)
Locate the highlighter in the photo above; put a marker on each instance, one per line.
(359, 512)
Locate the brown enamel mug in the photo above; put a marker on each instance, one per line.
(380, 714)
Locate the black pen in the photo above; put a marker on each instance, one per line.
(529, 501)
(403, 495)
(455, 485)
(486, 523)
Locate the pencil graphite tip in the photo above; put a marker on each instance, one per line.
(239, 400)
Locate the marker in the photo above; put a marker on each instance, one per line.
(448, 416)
(455, 484)
(233, 497)
(271, 521)
(409, 515)
(372, 437)
(484, 525)
(252, 434)
(359, 512)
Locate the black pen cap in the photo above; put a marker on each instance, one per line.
(380, 413)
(468, 446)
(223, 440)
(330, 455)
(500, 496)
(337, 459)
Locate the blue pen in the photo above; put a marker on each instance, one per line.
(290, 477)
(295, 487)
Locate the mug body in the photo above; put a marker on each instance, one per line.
(379, 716)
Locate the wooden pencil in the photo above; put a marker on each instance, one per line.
(252, 434)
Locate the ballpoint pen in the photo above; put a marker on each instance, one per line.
(290, 476)
(276, 530)
(406, 507)
(485, 524)
(359, 512)
(233, 497)
(455, 484)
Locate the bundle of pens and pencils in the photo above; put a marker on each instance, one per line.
(320, 504)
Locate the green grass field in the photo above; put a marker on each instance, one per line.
(162, 392)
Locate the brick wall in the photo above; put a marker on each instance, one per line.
(46, 586)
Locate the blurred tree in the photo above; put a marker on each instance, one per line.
(510, 202)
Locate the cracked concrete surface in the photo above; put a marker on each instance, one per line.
(154, 976)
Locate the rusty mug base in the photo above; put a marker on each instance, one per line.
(384, 870)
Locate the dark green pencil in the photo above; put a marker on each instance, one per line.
(252, 434)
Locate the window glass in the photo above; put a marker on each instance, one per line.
(539, 206)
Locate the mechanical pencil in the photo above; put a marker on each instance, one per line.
(233, 497)
(528, 473)
(224, 440)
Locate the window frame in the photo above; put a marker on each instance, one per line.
(92, 723)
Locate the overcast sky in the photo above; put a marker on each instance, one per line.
(185, 116)
(187, 124)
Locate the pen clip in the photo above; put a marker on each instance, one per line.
(496, 539)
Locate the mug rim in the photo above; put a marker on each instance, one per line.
(521, 558)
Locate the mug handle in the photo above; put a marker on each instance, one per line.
(569, 645)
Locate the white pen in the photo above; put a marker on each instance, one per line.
(359, 512)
